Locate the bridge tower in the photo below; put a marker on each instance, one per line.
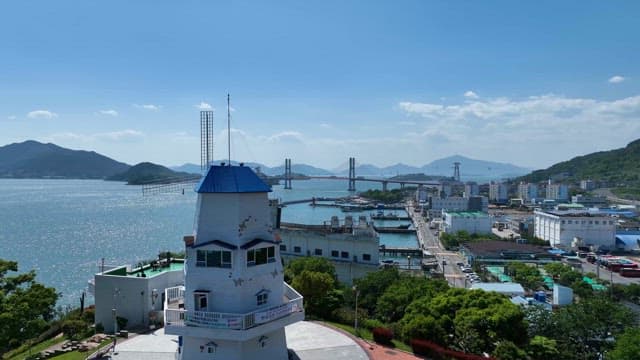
(456, 171)
(352, 174)
(287, 174)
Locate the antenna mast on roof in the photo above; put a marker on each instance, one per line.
(229, 127)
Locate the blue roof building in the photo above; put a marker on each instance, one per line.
(231, 179)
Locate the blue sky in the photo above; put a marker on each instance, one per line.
(398, 81)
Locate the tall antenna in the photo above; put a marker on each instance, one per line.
(229, 126)
(206, 139)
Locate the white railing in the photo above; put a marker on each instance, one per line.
(217, 320)
(174, 294)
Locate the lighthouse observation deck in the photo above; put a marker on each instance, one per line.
(180, 321)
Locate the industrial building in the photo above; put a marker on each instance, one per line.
(352, 247)
(587, 185)
(589, 201)
(570, 229)
(471, 189)
(501, 252)
(473, 222)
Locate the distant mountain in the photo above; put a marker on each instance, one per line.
(473, 169)
(32, 159)
(618, 167)
(146, 173)
(303, 169)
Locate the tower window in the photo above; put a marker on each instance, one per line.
(262, 298)
(213, 258)
(366, 257)
(283, 247)
(335, 253)
(318, 252)
(261, 256)
(344, 254)
(297, 249)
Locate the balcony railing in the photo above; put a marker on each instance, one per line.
(231, 321)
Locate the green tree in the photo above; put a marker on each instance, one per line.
(583, 330)
(627, 346)
(309, 263)
(25, 305)
(373, 285)
(542, 348)
(524, 274)
(506, 350)
(392, 304)
(314, 286)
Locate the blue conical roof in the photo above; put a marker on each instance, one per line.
(231, 179)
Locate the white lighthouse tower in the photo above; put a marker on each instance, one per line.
(235, 303)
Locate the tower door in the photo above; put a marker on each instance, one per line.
(201, 301)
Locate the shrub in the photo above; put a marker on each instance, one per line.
(372, 323)
(89, 315)
(73, 328)
(382, 336)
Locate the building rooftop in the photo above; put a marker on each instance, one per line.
(467, 214)
(573, 213)
(502, 249)
(513, 288)
(147, 271)
(231, 179)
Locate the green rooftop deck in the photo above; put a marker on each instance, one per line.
(148, 270)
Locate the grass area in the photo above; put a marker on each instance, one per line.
(23, 351)
(367, 335)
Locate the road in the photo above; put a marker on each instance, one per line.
(605, 274)
(430, 242)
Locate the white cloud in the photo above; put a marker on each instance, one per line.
(286, 136)
(127, 135)
(204, 106)
(616, 79)
(110, 112)
(41, 114)
(148, 107)
(326, 126)
(557, 127)
(121, 135)
(471, 95)
(12, 117)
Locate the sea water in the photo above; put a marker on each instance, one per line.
(63, 228)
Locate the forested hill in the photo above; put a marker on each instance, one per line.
(32, 159)
(146, 173)
(619, 166)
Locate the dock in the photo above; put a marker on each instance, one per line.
(387, 217)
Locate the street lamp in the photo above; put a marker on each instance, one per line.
(409, 262)
(355, 322)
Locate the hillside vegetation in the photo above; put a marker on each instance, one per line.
(619, 167)
(146, 173)
(32, 159)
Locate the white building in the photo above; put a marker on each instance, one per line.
(569, 229)
(473, 222)
(234, 304)
(508, 289)
(134, 294)
(498, 192)
(451, 203)
(587, 185)
(352, 247)
(558, 192)
(422, 194)
(471, 189)
(527, 192)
